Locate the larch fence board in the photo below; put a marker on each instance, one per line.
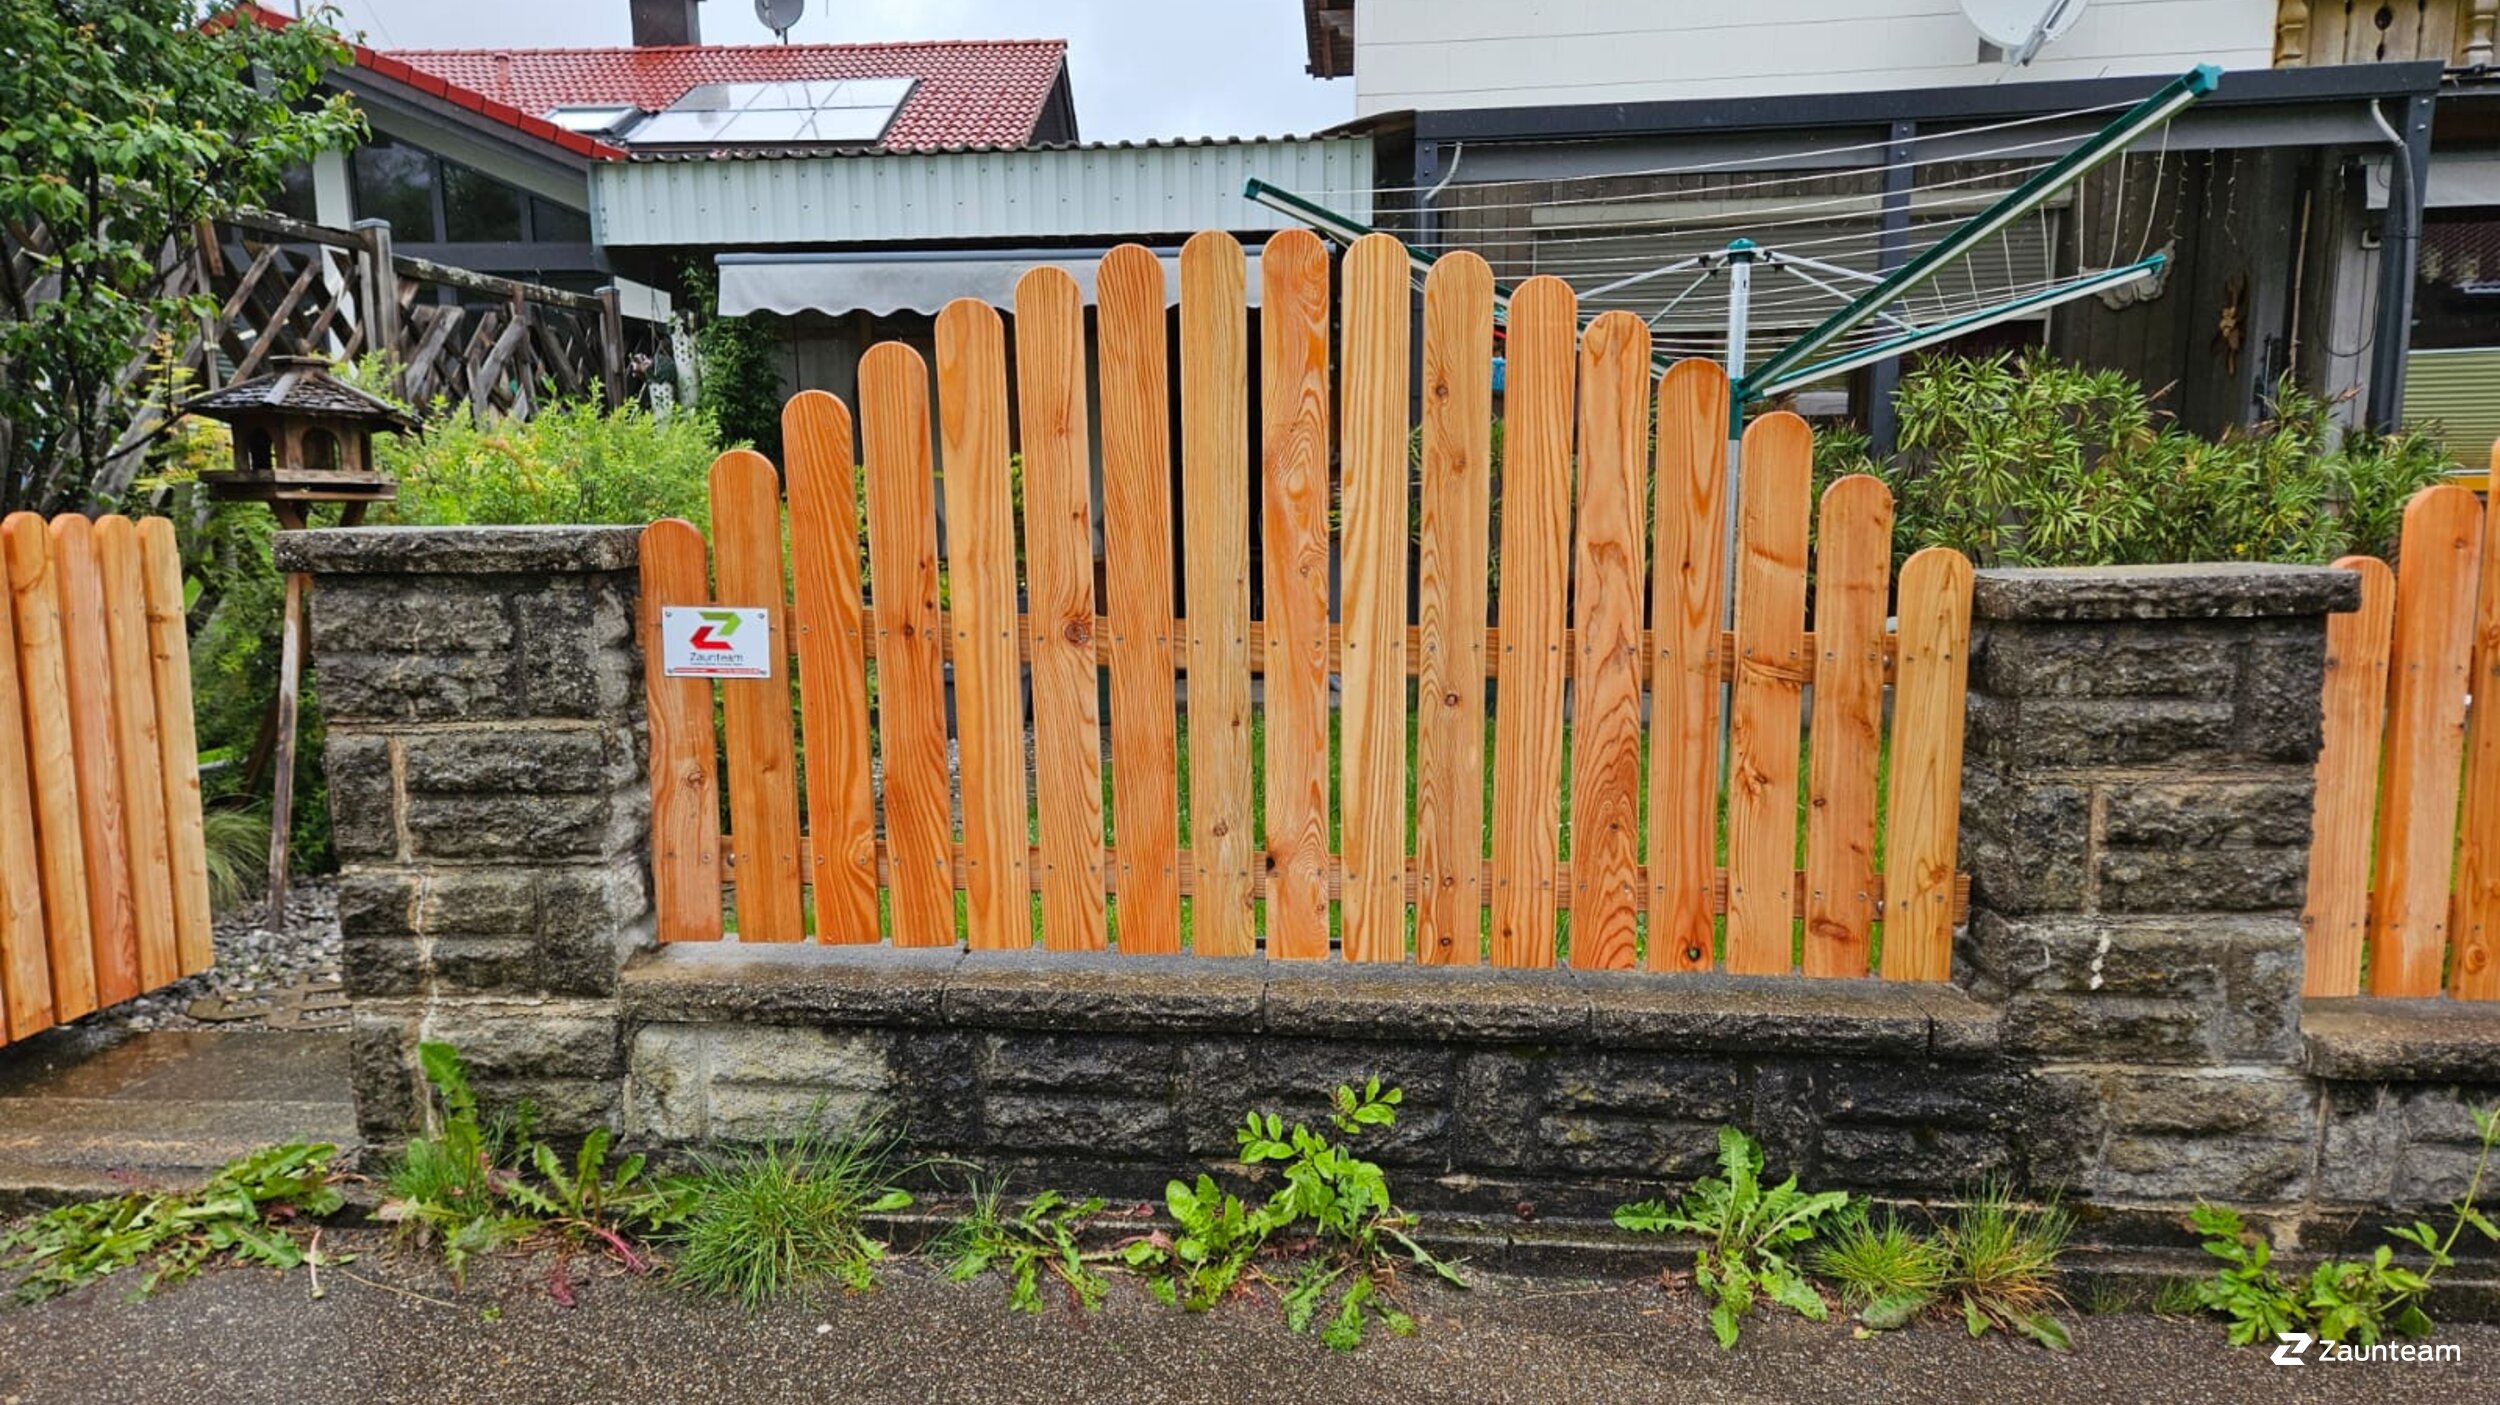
(747, 571)
(2474, 970)
(982, 617)
(1853, 571)
(2337, 911)
(25, 970)
(685, 769)
(1587, 614)
(1452, 596)
(832, 643)
(177, 738)
(1293, 335)
(2432, 661)
(86, 655)
(1687, 606)
(139, 750)
(1137, 545)
(34, 591)
(1713, 889)
(1059, 564)
(1373, 711)
(1766, 704)
(911, 677)
(1920, 890)
(1606, 690)
(1536, 526)
(1215, 478)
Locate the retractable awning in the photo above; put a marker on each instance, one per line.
(915, 281)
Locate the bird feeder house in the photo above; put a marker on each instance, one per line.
(301, 436)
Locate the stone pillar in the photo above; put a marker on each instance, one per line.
(2136, 807)
(486, 755)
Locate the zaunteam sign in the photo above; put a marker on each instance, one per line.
(716, 641)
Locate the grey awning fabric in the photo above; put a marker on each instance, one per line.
(910, 282)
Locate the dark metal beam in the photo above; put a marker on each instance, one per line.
(2400, 243)
(1932, 106)
(1883, 420)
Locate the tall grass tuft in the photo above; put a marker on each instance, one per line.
(763, 1222)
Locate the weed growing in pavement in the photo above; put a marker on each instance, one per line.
(2005, 1265)
(247, 1212)
(2342, 1300)
(1352, 1233)
(1046, 1237)
(1888, 1272)
(466, 1187)
(755, 1224)
(1754, 1234)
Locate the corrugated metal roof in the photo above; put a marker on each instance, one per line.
(2459, 393)
(1065, 192)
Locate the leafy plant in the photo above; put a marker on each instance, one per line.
(127, 122)
(755, 1224)
(246, 1212)
(236, 838)
(574, 461)
(2342, 1300)
(1355, 1232)
(1889, 1272)
(1753, 1234)
(2027, 461)
(1045, 1237)
(2005, 1265)
(450, 1187)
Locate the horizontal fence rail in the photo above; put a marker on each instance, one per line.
(2404, 870)
(1495, 712)
(103, 866)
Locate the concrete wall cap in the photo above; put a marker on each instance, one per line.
(458, 551)
(2190, 591)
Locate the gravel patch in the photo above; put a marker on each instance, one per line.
(257, 961)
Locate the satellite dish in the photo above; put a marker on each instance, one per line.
(779, 15)
(2022, 28)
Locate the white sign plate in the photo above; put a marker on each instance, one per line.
(716, 641)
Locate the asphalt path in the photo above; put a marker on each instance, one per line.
(390, 1328)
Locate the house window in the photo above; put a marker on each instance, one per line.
(551, 223)
(321, 451)
(396, 183)
(294, 195)
(477, 208)
(430, 200)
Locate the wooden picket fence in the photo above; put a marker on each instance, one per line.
(103, 866)
(1423, 886)
(2404, 862)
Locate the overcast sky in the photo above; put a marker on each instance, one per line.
(1141, 68)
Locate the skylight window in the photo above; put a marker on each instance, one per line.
(593, 121)
(847, 112)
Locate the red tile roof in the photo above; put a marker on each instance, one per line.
(971, 92)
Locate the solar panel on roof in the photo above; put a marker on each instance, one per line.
(844, 112)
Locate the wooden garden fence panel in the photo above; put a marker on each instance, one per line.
(1373, 769)
(103, 864)
(2404, 874)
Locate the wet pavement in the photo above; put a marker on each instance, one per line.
(391, 1329)
(88, 1111)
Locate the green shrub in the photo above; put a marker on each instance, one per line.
(1890, 1273)
(1045, 1237)
(2031, 462)
(573, 462)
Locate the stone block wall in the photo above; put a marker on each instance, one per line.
(2124, 1024)
(482, 691)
